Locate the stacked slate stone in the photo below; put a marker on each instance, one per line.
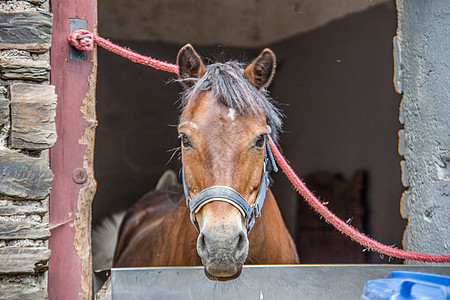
(27, 131)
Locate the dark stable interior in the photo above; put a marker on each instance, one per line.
(334, 85)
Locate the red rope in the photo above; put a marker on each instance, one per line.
(84, 40)
(341, 225)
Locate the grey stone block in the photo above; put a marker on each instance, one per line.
(22, 291)
(33, 110)
(4, 110)
(11, 210)
(23, 260)
(23, 230)
(24, 69)
(30, 31)
(24, 177)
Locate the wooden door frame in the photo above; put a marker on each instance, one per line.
(71, 159)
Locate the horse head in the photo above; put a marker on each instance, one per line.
(223, 129)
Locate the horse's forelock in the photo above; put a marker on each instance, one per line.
(228, 86)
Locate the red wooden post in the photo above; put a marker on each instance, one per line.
(71, 159)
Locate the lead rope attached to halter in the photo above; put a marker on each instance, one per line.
(84, 40)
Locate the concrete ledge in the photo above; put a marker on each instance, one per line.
(256, 282)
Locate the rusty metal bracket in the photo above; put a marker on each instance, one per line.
(76, 54)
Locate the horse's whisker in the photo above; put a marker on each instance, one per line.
(175, 151)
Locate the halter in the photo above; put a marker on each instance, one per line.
(229, 195)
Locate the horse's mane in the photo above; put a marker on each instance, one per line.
(231, 88)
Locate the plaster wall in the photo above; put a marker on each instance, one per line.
(423, 75)
(231, 23)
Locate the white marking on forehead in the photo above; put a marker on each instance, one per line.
(188, 123)
(231, 113)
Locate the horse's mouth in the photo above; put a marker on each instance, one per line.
(223, 278)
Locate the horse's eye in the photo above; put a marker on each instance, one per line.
(260, 141)
(185, 140)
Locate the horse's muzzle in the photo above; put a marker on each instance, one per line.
(223, 252)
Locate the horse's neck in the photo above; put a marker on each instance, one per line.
(157, 233)
(270, 241)
(180, 232)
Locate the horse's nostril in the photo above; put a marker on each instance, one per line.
(241, 245)
(201, 246)
(201, 240)
(240, 241)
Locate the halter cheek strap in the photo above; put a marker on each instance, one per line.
(229, 195)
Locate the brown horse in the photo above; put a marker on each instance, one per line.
(227, 116)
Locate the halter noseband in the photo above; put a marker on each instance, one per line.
(229, 195)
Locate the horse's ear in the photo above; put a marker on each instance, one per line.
(260, 72)
(190, 66)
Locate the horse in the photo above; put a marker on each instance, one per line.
(219, 220)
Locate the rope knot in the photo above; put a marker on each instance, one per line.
(82, 39)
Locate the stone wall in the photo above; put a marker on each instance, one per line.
(27, 131)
